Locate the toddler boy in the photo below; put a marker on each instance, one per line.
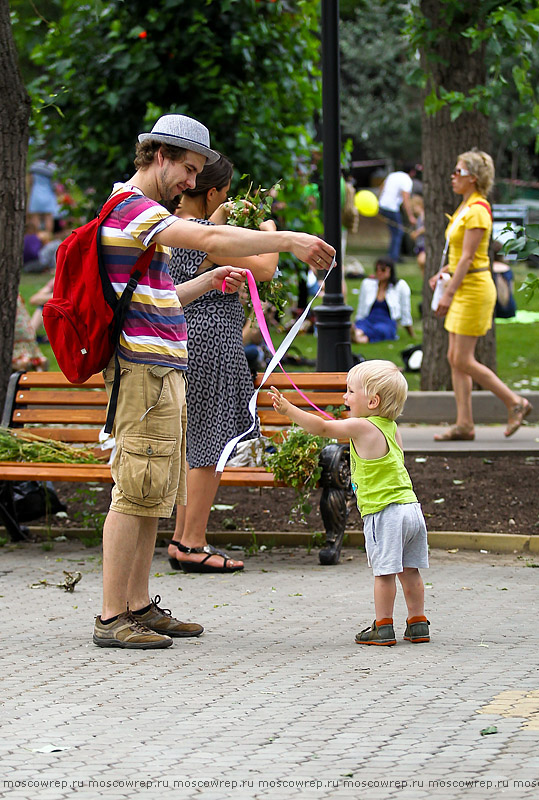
(394, 527)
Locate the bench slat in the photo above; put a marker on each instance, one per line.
(270, 417)
(309, 380)
(61, 398)
(320, 398)
(74, 435)
(249, 479)
(332, 381)
(57, 379)
(82, 416)
(16, 470)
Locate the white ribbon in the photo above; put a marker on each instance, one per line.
(279, 354)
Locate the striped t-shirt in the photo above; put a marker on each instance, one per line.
(154, 331)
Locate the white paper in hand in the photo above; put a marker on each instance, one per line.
(439, 289)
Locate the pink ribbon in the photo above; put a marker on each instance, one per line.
(260, 318)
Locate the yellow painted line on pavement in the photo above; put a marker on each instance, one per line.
(514, 703)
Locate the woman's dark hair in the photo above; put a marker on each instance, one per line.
(213, 176)
(388, 262)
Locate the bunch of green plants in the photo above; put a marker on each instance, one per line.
(29, 447)
(296, 463)
(248, 210)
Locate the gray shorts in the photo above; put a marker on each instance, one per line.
(395, 538)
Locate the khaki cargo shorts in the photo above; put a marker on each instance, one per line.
(149, 467)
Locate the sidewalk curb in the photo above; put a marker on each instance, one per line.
(445, 540)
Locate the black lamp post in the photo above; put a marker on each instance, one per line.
(333, 317)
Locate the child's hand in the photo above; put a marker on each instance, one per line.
(279, 403)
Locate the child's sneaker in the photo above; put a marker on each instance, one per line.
(417, 630)
(380, 633)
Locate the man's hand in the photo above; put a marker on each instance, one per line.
(279, 403)
(232, 276)
(313, 251)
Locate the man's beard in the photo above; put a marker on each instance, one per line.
(171, 205)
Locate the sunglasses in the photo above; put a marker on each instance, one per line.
(459, 171)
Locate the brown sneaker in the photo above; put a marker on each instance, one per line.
(161, 620)
(129, 633)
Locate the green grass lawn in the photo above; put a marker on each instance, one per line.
(517, 344)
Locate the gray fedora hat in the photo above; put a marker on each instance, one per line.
(182, 131)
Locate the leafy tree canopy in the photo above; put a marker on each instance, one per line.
(383, 78)
(378, 109)
(248, 70)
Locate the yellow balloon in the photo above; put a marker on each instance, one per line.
(366, 203)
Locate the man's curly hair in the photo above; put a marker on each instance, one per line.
(146, 150)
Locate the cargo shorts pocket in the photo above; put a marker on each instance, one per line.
(145, 470)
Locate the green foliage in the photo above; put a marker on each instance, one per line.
(383, 77)
(248, 70)
(509, 35)
(26, 446)
(248, 210)
(378, 109)
(524, 244)
(296, 463)
(89, 517)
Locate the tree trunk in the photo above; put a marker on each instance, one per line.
(453, 66)
(14, 116)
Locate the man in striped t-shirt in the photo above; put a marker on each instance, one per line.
(149, 464)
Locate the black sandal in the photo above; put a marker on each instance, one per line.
(200, 566)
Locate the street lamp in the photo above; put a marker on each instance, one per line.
(333, 316)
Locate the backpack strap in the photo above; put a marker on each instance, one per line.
(111, 204)
(139, 270)
(484, 204)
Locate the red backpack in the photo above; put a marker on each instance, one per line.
(84, 318)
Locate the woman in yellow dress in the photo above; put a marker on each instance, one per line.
(470, 296)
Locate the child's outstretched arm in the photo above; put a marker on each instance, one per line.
(331, 428)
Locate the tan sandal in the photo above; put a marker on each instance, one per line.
(517, 415)
(455, 433)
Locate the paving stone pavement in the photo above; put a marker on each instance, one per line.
(275, 700)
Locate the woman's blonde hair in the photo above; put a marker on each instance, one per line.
(481, 166)
(382, 378)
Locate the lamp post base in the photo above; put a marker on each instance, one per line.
(334, 352)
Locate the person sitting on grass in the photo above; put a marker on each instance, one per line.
(394, 527)
(383, 302)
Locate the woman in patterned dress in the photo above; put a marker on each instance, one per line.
(219, 382)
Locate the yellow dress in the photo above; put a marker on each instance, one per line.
(472, 307)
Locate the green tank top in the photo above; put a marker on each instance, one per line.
(377, 482)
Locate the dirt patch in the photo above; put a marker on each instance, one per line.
(471, 493)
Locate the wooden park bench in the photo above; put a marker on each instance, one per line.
(47, 405)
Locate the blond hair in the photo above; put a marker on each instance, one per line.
(481, 167)
(382, 378)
